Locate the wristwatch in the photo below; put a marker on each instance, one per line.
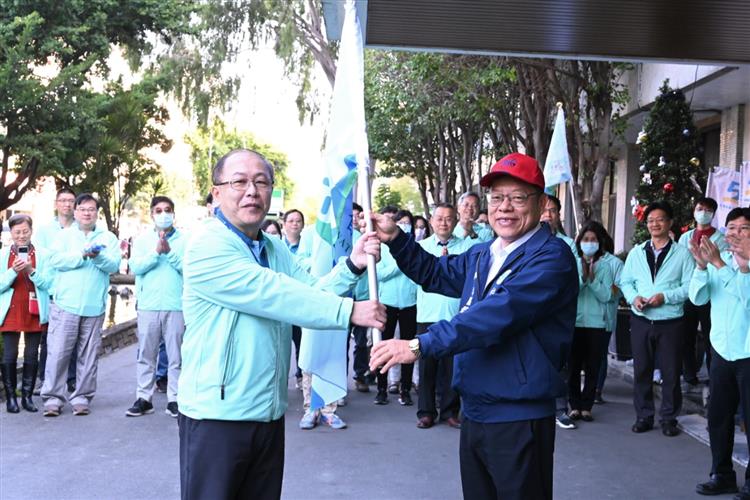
(414, 348)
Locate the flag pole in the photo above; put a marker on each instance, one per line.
(374, 334)
(573, 199)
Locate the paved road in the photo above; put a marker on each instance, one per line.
(381, 456)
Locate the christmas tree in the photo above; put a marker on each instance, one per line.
(670, 166)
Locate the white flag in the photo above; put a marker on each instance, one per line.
(557, 167)
(745, 184)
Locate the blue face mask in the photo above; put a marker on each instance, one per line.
(405, 227)
(589, 248)
(164, 220)
(703, 217)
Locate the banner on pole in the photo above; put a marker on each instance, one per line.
(724, 187)
(745, 184)
(557, 166)
(323, 353)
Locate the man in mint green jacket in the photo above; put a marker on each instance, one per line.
(156, 261)
(724, 280)
(84, 256)
(242, 293)
(655, 283)
(467, 227)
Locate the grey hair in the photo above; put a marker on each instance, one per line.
(218, 169)
(466, 195)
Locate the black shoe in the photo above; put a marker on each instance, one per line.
(172, 409)
(381, 398)
(717, 485)
(28, 379)
(669, 428)
(10, 381)
(642, 425)
(361, 385)
(405, 399)
(744, 493)
(140, 407)
(598, 399)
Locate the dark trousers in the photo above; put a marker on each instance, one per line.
(407, 323)
(697, 343)
(297, 339)
(30, 350)
(647, 339)
(604, 366)
(436, 374)
(507, 461)
(361, 352)
(585, 353)
(730, 387)
(222, 459)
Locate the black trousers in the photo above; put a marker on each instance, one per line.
(730, 387)
(297, 339)
(649, 338)
(30, 350)
(697, 343)
(361, 352)
(507, 461)
(407, 323)
(435, 376)
(586, 354)
(225, 460)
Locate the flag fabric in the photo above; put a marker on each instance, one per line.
(323, 353)
(557, 167)
(724, 187)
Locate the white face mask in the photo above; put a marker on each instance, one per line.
(164, 220)
(589, 248)
(419, 233)
(405, 227)
(703, 217)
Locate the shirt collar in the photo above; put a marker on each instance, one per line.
(497, 249)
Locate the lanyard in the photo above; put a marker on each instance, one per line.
(476, 290)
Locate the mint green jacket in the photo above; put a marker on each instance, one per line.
(728, 290)
(672, 280)
(45, 237)
(433, 307)
(615, 265)
(158, 277)
(41, 278)
(81, 284)
(484, 233)
(594, 295)
(394, 288)
(238, 315)
(716, 238)
(570, 241)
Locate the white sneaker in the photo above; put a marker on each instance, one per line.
(657, 376)
(309, 420)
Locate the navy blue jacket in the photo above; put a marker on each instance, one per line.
(510, 344)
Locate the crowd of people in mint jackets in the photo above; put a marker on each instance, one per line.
(688, 295)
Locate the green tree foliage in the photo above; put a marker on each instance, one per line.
(385, 197)
(112, 149)
(208, 145)
(200, 64)
(50, 54)
(669, 166)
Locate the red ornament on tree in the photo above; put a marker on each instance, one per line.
(668, 187)
(639, 213)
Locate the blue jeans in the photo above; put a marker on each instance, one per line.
(163, 363)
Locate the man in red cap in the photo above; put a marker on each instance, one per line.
(511, 336)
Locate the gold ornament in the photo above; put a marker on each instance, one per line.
(695, 161)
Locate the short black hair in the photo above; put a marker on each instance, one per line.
(405, 213)
(161, 199)
(65, 190)
(85, 197)
(445, 205)
(357, 206)
(389, 209)
(601, 235)
(736, 213)
(270, 222)
(293, 210)
(554, 199)
(707, 202)
(219, 167)
(483, 212)
(659, 205)
(17, 219)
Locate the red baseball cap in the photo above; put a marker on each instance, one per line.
(517, 165)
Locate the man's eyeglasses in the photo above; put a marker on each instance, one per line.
(658, 220)
(518, 200)
(87, 210)
(66, 202)
(243, 184)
